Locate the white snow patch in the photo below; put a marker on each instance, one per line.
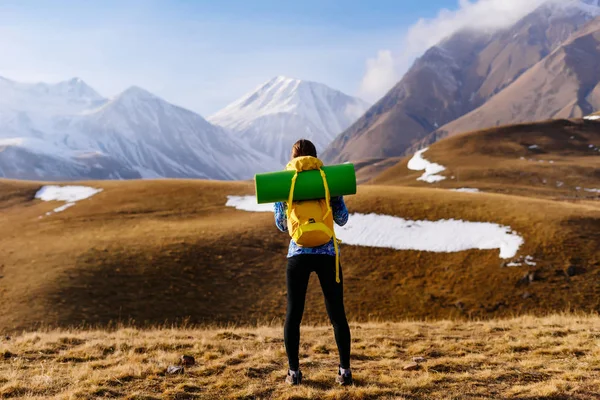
(385, 231)
(68, 194)
(248, 203)
(592, 190)
(593, 118)
(533, 147)
(466, 190)
(443, 236)
(418, 163)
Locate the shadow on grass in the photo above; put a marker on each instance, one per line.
(322, 384)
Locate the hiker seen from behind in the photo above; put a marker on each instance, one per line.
(313, 248)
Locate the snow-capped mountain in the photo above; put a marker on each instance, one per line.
(68, 131)
(162, 140)
(30, 109)
(281, 111)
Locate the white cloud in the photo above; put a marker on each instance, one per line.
(381, 75)
(478, 14)
(482, 14)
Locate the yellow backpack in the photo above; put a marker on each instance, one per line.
(310, 223)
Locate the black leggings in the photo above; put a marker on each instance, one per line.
(298, 272)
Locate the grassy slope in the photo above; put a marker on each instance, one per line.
(491, 161)
(549, 358)
(168, 250)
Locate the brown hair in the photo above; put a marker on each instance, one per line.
(304, 147)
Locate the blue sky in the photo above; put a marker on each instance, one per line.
(204, 54)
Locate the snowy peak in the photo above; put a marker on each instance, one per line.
(281, 95)
(135, 100)
(282, 110)
(74, 88)
(135, 93)
(32, 109)
(48, 100)
(71, 90)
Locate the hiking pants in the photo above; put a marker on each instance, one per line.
(299, 269)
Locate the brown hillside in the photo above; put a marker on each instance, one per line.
(368, 169)
(452, 79)
(170, 250)
(512, 52)
(549, 160)
(565, 84)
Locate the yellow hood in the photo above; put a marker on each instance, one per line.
(306, 163)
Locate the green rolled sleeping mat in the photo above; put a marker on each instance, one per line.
(275, 186)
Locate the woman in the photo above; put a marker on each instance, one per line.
(302, 261)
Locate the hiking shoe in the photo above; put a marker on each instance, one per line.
(344, 379)
(293, 378)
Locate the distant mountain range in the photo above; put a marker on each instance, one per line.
(545, 66)
(68, 131)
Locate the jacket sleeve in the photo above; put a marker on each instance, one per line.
(280, 216)
(340, 212)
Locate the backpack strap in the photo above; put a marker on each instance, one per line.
(327, 194)
(291, 196)
(335, 241)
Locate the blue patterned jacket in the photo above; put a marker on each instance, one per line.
(340, 216)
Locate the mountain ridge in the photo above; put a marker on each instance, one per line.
(135, 134)
(426, 96)
(565, 84)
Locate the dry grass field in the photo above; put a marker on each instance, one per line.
(81, 291)
(553, 358)
(164, 251)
